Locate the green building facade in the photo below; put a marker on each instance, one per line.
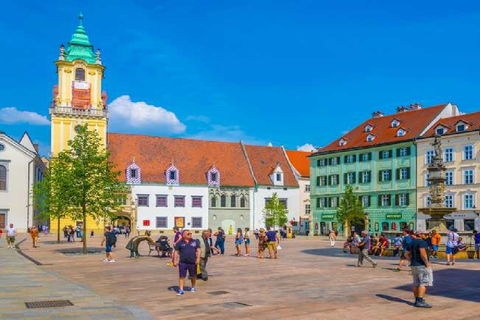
(383, 177)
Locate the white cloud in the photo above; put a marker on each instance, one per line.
(140, 117)
(307, 147)
(13, 116)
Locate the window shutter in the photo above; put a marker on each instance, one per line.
(398, 152)
(398, 173)
(407, 195)
(380, 175)
(389, 199)
(360, 158)
(329, 202)
(329, 161)
(369, 156)
(390, 174)
(408, 173)
(389, 153)
(354, 178)
(380, 155)
(397, 200)
(318, 181)
(408, 151)
(369, 176)
(345, 178)
(318, 163)
(354, 158)
(338, 160)
(345, 159)
(360, 177)
(369, 203)
(379, 198)
(329, 180)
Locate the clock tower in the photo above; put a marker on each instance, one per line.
(78, 97)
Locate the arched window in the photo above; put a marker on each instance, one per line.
(213, 202)
(3, 178)
(80, 74)
(223, 201)
(243, 202)
(233, 201)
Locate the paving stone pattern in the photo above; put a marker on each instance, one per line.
(310, 280)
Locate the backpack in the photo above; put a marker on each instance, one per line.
(111, 238)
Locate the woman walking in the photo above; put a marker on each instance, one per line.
(246, 237)
(220, 242)
(332, 237)
(238, 242)
(262, 243)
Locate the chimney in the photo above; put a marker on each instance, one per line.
(377, 114)
(402, 109)
(415, 106)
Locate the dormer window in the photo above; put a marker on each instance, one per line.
(368, 128)
(133, 174)
(370, 138)
(401, 133)
(461, 127)
(395, 123)
(276, 176)
(213, 177)
(172, 175)
(342, 142)
(440, 130)
(279, 177)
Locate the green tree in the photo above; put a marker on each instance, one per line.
(48, 193)
(275, 213)
(350, 210)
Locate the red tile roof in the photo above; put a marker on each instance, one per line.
(264, 159)
(471, 119)
(413, 121)
(300, 162)
(193, 158)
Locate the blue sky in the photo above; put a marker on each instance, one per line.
(289, 72)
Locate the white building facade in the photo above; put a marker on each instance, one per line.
(20, 168)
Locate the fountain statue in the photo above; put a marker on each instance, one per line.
(437, 209)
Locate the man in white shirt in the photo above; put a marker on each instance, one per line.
(11, 234)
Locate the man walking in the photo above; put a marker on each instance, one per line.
(11, 234)
(421, 269)
(407, 240)
(187, 257)
(364, 246)
(436, 239)
(273, 240)
(205, 251)
(451, 246)
(109, 238)
(34, 235)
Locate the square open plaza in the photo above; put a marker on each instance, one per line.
(221, 227)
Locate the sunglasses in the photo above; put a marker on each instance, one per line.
(188, 234)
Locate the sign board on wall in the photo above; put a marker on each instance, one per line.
(180, 222)
(327, 216)
(393, 216)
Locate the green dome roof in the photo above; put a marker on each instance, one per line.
(80, 47)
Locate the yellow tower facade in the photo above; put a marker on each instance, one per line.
(78, 99)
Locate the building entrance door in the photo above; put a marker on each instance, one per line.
(2, 220)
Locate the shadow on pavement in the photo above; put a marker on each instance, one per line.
(453, 283)
(394, 299)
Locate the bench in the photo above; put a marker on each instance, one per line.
(156, 247)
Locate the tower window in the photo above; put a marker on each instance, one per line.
(80, 74)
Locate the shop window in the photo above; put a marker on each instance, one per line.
(468, 225)
(385, 226)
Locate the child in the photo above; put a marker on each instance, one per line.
(246, 236)
(238, 242)
(262, 243)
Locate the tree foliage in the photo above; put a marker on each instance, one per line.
(350, 209)
(84, 180)
(275, 213)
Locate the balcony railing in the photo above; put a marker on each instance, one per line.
(79, 112)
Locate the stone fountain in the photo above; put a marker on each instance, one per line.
(437, 209)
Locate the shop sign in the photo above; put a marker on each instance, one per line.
(327, 216)
(394, 216)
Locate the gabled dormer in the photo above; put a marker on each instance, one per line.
(395, 123)
(213, 177)
(370, 138)
(440, 130)
(342, 142)
(133, 173)
(172, 176)
(276, 176)
(368, 128)
(401, 132)
(461, 126)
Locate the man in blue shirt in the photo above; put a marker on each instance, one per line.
(273, 240)
(417, 254)
(364, 246)
(187, 257)
(476, 238)
(407, 240)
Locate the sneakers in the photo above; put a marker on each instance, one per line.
(193, 289)
(105, 260)
(111, 261)
(180, 293)
(422, 304)
(397, 269)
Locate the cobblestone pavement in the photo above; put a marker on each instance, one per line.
(310, 280)
(22, 281)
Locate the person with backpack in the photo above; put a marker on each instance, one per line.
(407, 240)
(109, 238)
(451, 246)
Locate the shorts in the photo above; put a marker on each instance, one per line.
(272, 245)
(422, 276)
(434, 247)
(450, 250)
(402, 255)
(247, 241)
(191, 267)
(11, 239)
(108, 248)
(477, 246)
(238, 242)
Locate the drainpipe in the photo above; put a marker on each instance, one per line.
(28, 194)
